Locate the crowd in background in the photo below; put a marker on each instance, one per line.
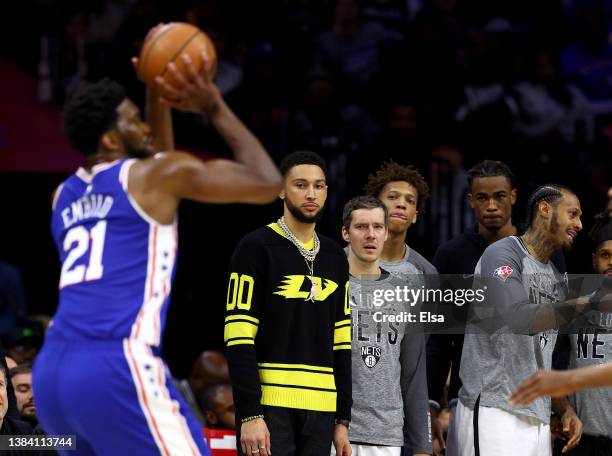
(441, 84)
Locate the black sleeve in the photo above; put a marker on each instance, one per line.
(417, 422)
(561, 352)
(439, 260)
(439, 357)
(439, 346)
(245, 298)
(342, 348)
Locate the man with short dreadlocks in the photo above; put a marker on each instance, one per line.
(522, 287)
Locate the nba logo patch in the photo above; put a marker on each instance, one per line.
(370, 355)
(503, 272)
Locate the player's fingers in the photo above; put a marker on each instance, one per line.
(181, 81)
(518, 397)
(337, 448)
(529, 391)
(169, 92)
(531, 396)
(208, 65)
(268, 444)
(520, 393)
(262, 447)
(243, 446)
(347, 450)
(192, 74)
(566, 424)
(255, 450)
(526, 397)
(571, 443)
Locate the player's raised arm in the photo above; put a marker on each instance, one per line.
(251, 178)
(159, 117)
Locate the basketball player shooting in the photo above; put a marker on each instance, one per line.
(99, 375)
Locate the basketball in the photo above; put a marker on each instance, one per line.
(167, 44)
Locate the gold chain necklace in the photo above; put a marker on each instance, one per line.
(308, 255)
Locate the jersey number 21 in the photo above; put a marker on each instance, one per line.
(78, 242)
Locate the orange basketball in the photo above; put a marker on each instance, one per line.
(167, 44)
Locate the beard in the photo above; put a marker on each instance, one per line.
(300, 216)
(554, 223)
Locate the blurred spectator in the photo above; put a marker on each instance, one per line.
(12, 298)
(588, 61)
(394, 14)
(550, 107)
(209, 368)
(339, 133)
(106, 19)
(11, 426)
(42, 320)
(352, 48)
(403, 137)
(21, 377)
(217, 403)
(22, 343)
(206, 12)
(262, 98)
(229, 74)
(68, 59)
(448, 213)
(10, 362)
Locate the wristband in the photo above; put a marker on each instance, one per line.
(434, 405)
(346, 423)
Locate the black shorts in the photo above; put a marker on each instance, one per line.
(589, 446)
(295, 432)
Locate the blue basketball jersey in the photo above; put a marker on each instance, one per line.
(117, 262)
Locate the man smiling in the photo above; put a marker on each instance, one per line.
(523, 285)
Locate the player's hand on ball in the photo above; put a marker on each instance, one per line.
(544, 383)
(255, 438)
(150, 33)
(192, 91)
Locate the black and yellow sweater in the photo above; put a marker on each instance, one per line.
(284, 350)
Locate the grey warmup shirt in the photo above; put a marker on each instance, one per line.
(411, 264)
(592, 346)
(495, 363)
(388, 368)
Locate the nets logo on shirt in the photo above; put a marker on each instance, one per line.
(503, 272)
(370, 355)
(544, 338)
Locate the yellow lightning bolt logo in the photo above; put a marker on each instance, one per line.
(292, 284)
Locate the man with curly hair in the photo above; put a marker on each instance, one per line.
(114, 222)
(404, 192)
